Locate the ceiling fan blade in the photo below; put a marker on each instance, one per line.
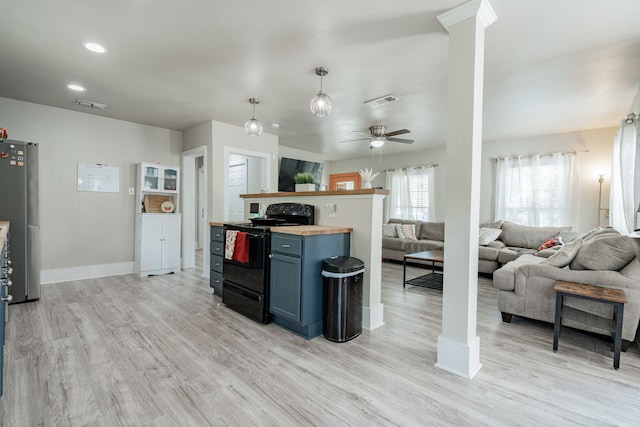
(351, 140)
(361, 133)
(397, 132)
(404, 141)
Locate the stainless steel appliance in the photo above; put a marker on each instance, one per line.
(245, 286)
(19, 204)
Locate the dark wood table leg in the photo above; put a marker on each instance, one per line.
(618, 312)
(558, 320)
(404, 272)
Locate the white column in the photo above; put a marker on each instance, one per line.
(458, 345)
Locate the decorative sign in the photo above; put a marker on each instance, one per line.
(98, 177)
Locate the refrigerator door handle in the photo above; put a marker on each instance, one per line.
(33, 236)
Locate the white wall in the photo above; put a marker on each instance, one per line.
(84, 229)
(598, 142)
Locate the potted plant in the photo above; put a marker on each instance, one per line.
(305, 181)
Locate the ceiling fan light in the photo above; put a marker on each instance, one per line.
(253, 125)
(377, 142)
(321, 104)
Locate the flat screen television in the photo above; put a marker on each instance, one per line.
(290, 167)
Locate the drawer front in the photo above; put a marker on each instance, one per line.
(217, 248)
(215, 281)
(286, 245)
(216, 263)
(217, 234)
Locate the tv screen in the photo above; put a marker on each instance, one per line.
(290, 167)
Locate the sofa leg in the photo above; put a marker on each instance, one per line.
(625, 345)
(506, 317)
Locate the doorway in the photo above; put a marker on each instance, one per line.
(248, 172)
(194, 209)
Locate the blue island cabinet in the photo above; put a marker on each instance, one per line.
(296, 282)
(217, 251)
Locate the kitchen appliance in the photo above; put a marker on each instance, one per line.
(19, 195)
(245, 286)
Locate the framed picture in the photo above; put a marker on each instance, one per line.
(344, 181)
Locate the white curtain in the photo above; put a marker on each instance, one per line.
(625, 178)
(411, 193)
(539, 190)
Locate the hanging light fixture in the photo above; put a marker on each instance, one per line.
(321, 104)
(253, 125)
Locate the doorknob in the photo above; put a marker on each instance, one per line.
(8, 298)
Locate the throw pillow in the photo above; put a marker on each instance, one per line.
(606, 253)
(488, 235)
(389, 230)
(564, 255)
(406, 231)
(554, 241)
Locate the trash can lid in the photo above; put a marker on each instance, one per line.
(342, 264)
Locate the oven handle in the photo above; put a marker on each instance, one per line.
(255, 236)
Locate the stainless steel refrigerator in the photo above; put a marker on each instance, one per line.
(19, 204)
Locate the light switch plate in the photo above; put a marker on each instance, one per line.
(132, 191)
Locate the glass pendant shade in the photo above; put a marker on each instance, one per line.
(253, 125)
(321, 104)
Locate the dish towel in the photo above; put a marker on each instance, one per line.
(230, 244)
(241, 252)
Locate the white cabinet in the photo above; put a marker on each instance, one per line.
(155, 179)
(157, 248)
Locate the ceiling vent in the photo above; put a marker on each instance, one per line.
(90, 104)
(381, 101)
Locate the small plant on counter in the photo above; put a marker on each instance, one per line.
(304, 178)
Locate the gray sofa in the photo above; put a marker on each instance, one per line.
(601, 257)
(514, 240)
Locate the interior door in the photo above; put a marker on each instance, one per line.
(237, 186)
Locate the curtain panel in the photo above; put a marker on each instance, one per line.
(411, 193)
(625, 178)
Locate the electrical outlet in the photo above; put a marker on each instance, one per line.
(132, 191)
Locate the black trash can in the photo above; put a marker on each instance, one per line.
(342, 298)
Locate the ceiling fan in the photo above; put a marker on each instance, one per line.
(377, 136)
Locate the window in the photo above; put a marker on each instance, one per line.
(410, 193)
(537, 190)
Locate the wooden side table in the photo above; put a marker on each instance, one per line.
(615, 297)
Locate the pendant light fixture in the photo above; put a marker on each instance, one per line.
(253, 125)
(321, 104)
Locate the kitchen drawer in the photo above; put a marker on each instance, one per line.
(216, 263)
(215, 281)
(217, 248)
(286, 244)
(217, 234)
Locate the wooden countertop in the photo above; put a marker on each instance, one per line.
(316, 193)
(311, 230)
(299, 230)
(4, 229)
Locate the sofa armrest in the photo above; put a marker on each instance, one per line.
(608, 279)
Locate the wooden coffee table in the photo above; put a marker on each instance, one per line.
(431, 280)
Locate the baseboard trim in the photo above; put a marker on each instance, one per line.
(58, 275)
(372, 317)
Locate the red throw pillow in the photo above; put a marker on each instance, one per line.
(554, 241)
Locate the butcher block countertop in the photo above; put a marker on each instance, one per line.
(298, 230)
(4, 229)
(311, 230)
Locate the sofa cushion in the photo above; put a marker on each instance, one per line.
(389, 230)
(415, 222)
(505, 278)
(565, 254)
(568, 236)
(406, 231)
(411, 247)
(494, 224)
(488, 235)
(521, 236)
(393, 243)
(604, 252)
(432, 231)
(487, 253)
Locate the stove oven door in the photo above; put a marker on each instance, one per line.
(252, 275)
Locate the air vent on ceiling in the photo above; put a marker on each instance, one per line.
(381, 101)
(90, 104)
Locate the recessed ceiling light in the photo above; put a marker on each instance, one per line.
(76, 87)
(94, 47)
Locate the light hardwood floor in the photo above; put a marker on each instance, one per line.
(162, 351)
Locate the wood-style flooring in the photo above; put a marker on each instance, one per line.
(161, 351)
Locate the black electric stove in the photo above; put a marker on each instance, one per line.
(245, 286)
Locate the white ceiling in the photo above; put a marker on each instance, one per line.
(550, 66)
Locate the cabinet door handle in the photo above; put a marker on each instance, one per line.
(286, 246)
